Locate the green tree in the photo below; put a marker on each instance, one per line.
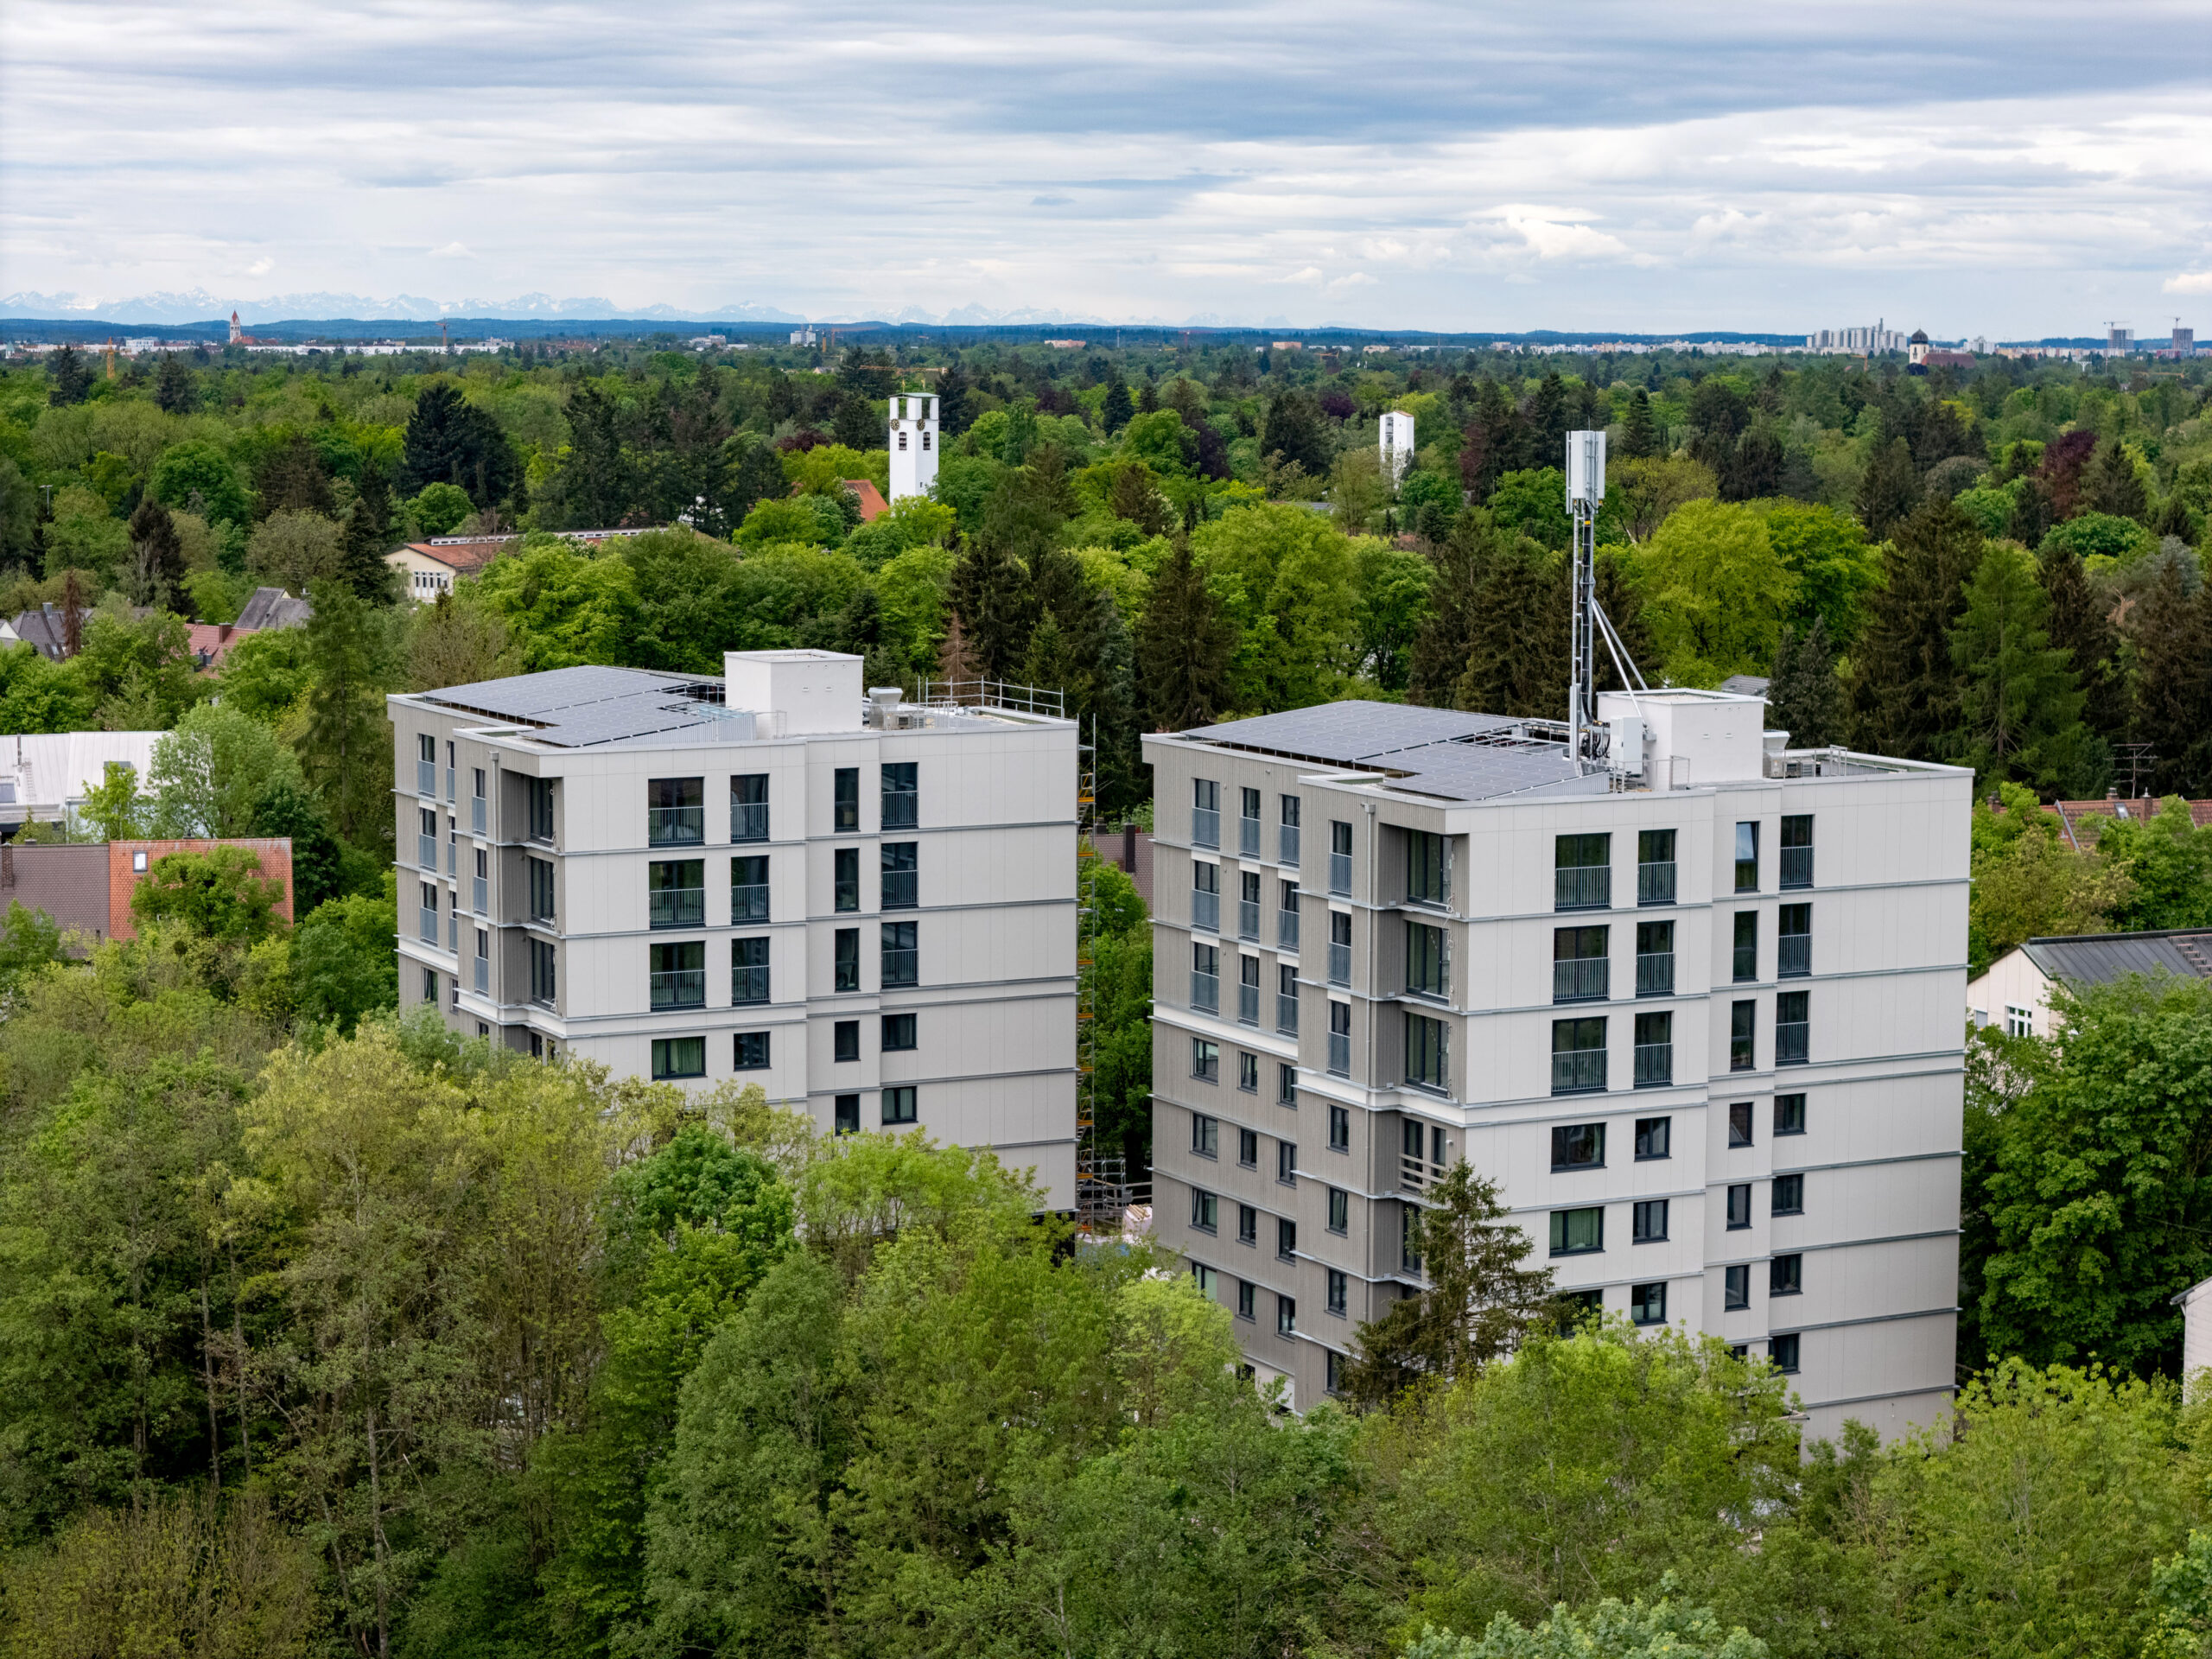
(2019, 707)
(2028, 883)
(113, 808)
(2110, 484)
(2173, 683)
(989, 590)
(2165, 862)
(367, 537)
(1666, 1629)
(343, 965)
(196, 477)
(220, 894)
(451, 440)
(1639, 431)
(562, 610)
(1393, 585)
(1904, 687)
(175, 392)
(30, 940)
(1716, 592)
(346, 747)
(1116, 411)
(1835, 567)
(1804, 696)
(1186, 642)
(68, 381)
(2081, 626)
(1534, 502)
(1890, 489)
(211, 775)
(156, 556)
(1293, 430)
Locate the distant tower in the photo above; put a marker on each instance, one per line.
(913, 443)
(1397, 444)
(237, 333)
(1916, 347)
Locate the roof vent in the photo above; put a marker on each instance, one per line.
(883, 707)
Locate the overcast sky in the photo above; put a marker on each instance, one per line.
(2016, 169)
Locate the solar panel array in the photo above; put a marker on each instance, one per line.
(577, 708)
(1444, 752)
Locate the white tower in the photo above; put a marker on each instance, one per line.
(1397, 445)
(913, 443)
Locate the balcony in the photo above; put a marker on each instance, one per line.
(453, 932)
(1583, 887)
(1287, 930)
(1205, 911)
(1415, 1172)
(1248, 919)
(901, 967)
(480, 895)
(1582, 979)
(1247, 1005)
(1248, 837)
(1286, 1014)
(429, 917)
(1655, 974)
(680, 987)
(1286, 844)
(1205, 992)
(1578, 1071)
(901, 890)
(1655, 884)
(1340, 873)
(676, 826)
(748, 820)
(453, 856)
(676, 908)
(1205, 826)
(477, 814)
(426, 779)
(1792, 1042)
(1341, 1054)
(450, 793)
(748, 903)
(1339, 963)
(426, 852)
(749, 985)
(1654, 1064)
(483, 975)
(1797, 866)
(901, 809)
(1794, 955)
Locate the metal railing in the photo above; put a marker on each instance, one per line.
(748, 820)
(477, 805)
(1286, 1014)
(1248, 837)
(426, 779)
(901, 889)
(1654, 1064)
(748, 903)
(1797, 866)
(453, 856)
(449, 787)
(1582, 979)
(1339, 963)
(1655, 884)
(749, 985)
(676, 908)
(453, 931)
(1792, 1042)
(1588, 886)
(676, 826)
(901, 967)
(426, 852)
(992, 694)
(1341, 1054)
(1247, 1005)
(428, 918)
(1287, 930)
(901, 809)
(1205, 992)
(483, 974)
(1578, 1071)
(1206, 910)
(480, 895)
(1205, 826)
(678, 988)
(1655, 974)
(1286, 844)
(1248, 919)
(1793, 956)
(1340, 873)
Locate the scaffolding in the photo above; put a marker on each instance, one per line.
(1104, 1191)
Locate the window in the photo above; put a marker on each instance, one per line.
(1339, 1128)
(1794, 942)
(1789, 1196)
(902, 797)
(1286, 919)
(845, 801)
(675, 811)
(541, 889)
(848, 1114)
(902, 958)
(846, 958)
(845, 1040)
(1339, 947)
(1786, 1275)
(1205, 1060)
(1578, 1056)
(1286, 1316)
(1582, 874)
(1783, 1351)
(1739, 1123)
(1247, 1072)
(539, 792)
(1576, 1307)
(1654, 1050)
(1205, 896)
(1286, 999)
(751, 1051)
(1746, 961)
(845, 879)
(1248, 824)
(1207, 1280)
(1248, 990)
(899, 1105)
(1579, 1145)
(1409, 1238)
(1338, 1288)
(679, 976)
(1286, 1162)
(1286, 1086)
(138, 863)
(679, 1057)
(426, 838)
(1647, 1222)
(901, 879)
(1205, 1135)
(1247, 1149)
(1792, 1027)
(1747, 858)
(1205, 812)
(481, 884)
(1340, 859)
(1739, 1208)
(1579, 966)
(1789, 1114)
(1428, 1064)
(1248, 905)
(1655, 867)
(1286, 1239)
(1425, 963)
(1340, 1039)
(1286, 832)
(541, 972)
(748, 890)
(748, 810)
(1797, 851)
(1654, 1138)
(748, 976)
(1578, 1232)
(898, 1034)
(1205, 1212)
(1248, 1224)
(476, 803)
(425, 765)
(675, 894)
(1735, 1288)
(1205, 978)
(1428, 879)
(1247, 1298)
(1647, 1303)
(1339, 1210)
(1743, 1018)
(1655, 959)
(483, 959)
(427, 911)
(2018, 1022)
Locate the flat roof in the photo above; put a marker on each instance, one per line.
(1447, 752)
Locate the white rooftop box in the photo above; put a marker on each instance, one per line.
(1718, 735)
(813, 690)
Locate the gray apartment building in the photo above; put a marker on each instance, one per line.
(868, 907)
(1699, 1017)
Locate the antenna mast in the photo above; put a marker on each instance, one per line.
(1585, 488)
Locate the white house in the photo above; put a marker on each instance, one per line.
(2016, 990)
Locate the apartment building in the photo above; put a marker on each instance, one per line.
(866, 907)
(1700, 1020)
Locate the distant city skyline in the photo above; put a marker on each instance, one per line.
(2015, 171)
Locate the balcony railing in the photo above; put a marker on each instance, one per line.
(1248, 837)
(476, 814)
(1654, 1064)
(1582, 979)
(1286, 1014)
(1413, 1174)
(449, 794)
(430, 925)
(680, 987)
(480, 895)
(901, 889)
(426, 852)
(1248, 918)
(901, 967)
(676, 908)
(426, 779)
(1794, 955)
(1655, 883)
(483, 975)
(1341, 1054)
(901, 809)
(1586, 887)
(676, 826)
(1205, 992)
(1339, 963)
(1792, 1042)
(453, 931)
(748, 821)
(1578, 1071)
(1247, 1005)
(1655, 974)
(1797, 866)
(1340, 873)
(748, 985)
(1287, 930)
(1205, 911)
(453, 856)
(1205, 826)
(748, 903)
(1286, 844)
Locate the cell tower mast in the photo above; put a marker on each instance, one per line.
(1585, 488)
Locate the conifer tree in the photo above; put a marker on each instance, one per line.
(1115, 413)
(158, 555)
(68, 380)
(2173, 683)
(1804, 697)
(2031, 513)
(1890, 490)
(2020, 706)
(1184, 642)
(2175, 519)
(1520, 629)
(2079, 624)
(367, 538)
(989, 592)
(1445, 642)
(174, 389)
(347, 748)
(2111, 485)
(1639, 429)
(1903, 691)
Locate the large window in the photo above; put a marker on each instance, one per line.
(1793, 1028)
(1425, 965)
(675, 894)
(542, 984)
(750, 1051)
(541, 889)
(1736, 1288)
(1654, 1050)
(1205, 812)
(1248, 824)
(1647, 1222)
(426, 838)
(1286, 919)
(539, 792)
(1339, 1128)
(1742, 1026)
(1205, 1135)
(1793, 942)
(899, 1104)
(1205, 978)
(1339, 1211)
(845, 1041)
(1248, 906)
(1582, 876)
(1286, 1316)
(1578, 1146)
(848, 1114)
(1248, 990)
(1427, 877)
(902, 958)
(1248, 1225)
(426, 766)
(675, 811)
(1747, 858)
(749, 807)
(1655, 867)
(1578, 1232)
(1654, 1138)
(899, 1032)
(1205, 896)
(1655, 959)
(1340, 1039)
(1205, 1212)
(748, 889)
(1647, 1303)
(1339, 947)
(1286, 834)
(1286, 999)
(748, 971)
(1739, 1123)
(1340, 858)
(1786, 1275)
(1335, 1284)
(678, 978)
(1745, 958)
(1428, 1064)
(845, 801)
(902, 797)
(1205, 1060)
(1578, 1056)
(679, 1057)
(1789, 1114)
(1286, 1162)
(1789, 1195)
(1285, 1240)
(1740, 1206)
(845, 879)
(1797, 851)
(846, 958)
(1579, 964)
(1783, 1351)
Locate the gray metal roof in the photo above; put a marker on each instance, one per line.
(1447, 752)
(577, 708)
(2100, 958)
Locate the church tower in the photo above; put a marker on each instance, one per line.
(913, 443)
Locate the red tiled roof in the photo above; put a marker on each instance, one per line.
(873, 505)
(212, 641)
(466, 557)
(2071, 813)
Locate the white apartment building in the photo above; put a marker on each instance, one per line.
(869, 909)
(1701, 1023)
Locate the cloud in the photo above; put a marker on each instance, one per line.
(1551, 239)
(451, 250)
(261, 267)
(1357, 279)
(2189, 282)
